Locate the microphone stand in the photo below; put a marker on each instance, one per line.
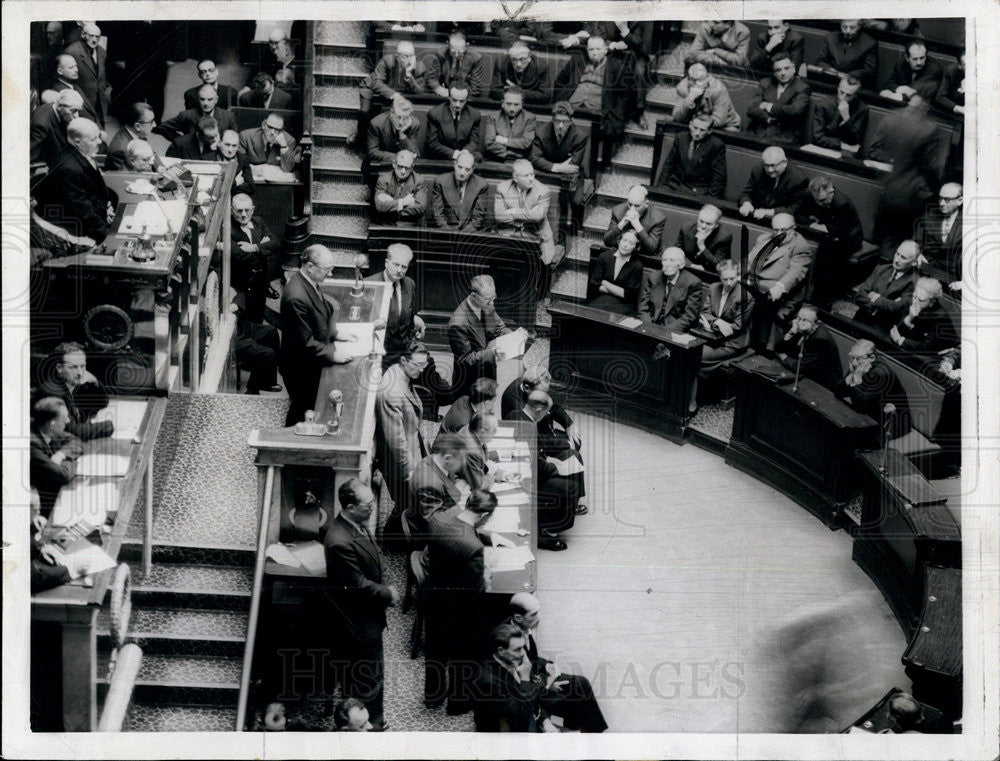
(798, 365)
(885, 441)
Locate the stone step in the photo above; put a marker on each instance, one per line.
(614, 184)
(341, 34)
(335, 158)
(159, 717)
(343, 98)
(340, 227)
(660, 99)
(338, 128)
(597, 220)
(199, 671)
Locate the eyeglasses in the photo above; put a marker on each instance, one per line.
(272, 127)
(949, 198)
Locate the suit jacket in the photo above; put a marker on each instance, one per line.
(280, 100)
(85, 401)
(93, 81)
(454, 554)
(785, 196)
(187, 121)
(503, 704)
(532, 218)
(718, 246)
(444, 137)
(820, 357)
(878, 387)
(730, 48)
(88, 108)
(397, 423)
(520, 132)
(932, 331)
(386, 213)
(793, 45)
(75, 197)
(533, 81)
(704, 173)
(679, 311)
(399, 326)
(384, 142)
(856, 57)
(243, 179)
(429, 492)
(44, 475)
(458, 416)
(387, 79)
(513, 399)
(829, 130)
(630, 278)
(247, 265)
(546, 150)
(455, 213)
(49, 142)
(652, 221)
(788, 120)
(476, 456)
(736, 311)
(228, 98)
(926, 82)
(944, 255)
(115, 158)
(468, 336)
(188, 147)
(714, 103)
(618, 94)
(894, 295)
(843, 225)
(787, 263)
(952, 90)
(252, 143)
(354, 581)
(443, 71)
(911, 143)
(308, 328)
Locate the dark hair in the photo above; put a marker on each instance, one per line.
(66, 347)
(448, 443)
(46, 409)
(347, 494)
(562, 108)
(780, 56)
(458, 84)
(261, 80)
(136, 111)
(342, 713)
(482, 390)
(479, 421)
(207, 124)
(458, 32)
(481, 501)
(503, 634)
(415, 347)
(514, 90)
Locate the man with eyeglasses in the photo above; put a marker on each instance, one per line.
(138, 125)
(808, 346)
(870, 386)
(270, 144)
(91, 61)
(48, 139)
(254, 254)
(779, 109)
(209, 75)
(774, 186)
(395, 129)
(229, 150)
(778, 267)
(264, 94)
(939, 235)
(454, 126)
(400, 194)
(701, 94)
(457, 64)
(309, 334)
(520, 69)
(472, 332)
(67, 78)
(186, 121)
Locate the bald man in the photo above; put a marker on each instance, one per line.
(186, 121)
(396, 75)
(671, 297)
(638, 215)
(778, 268)
(48, 128)
(67, 77)
(704, 242)
(139, 156)
(91, 60)
(886, 293)
(939, 234)
(773, 186)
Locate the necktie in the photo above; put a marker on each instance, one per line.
(725, 297)
(691, 146)
(777, 93)
(396, 306)
(94, 56)
(946, 228)
(461, 192)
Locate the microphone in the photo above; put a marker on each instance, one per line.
(889, 410)
(798, 363)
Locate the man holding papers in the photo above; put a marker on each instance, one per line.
(479, 472)
(434, 483)
(472, 333)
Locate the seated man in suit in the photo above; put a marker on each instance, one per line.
(616, 278)
(830, 213)
(453, 126)
(560, 145)
(229, 150)
(849, 52)
(778, 270)
(725, 43)
(915, 73)
(458, 65)
(951, 94)
(704, 242)
(840, 121)
(400, 195)
(395, 74)
(773, 186)
(701, 94)
(458, 199)
(53, 451)
(434, 484)
(521, 207)
(263, 93)
(926, 326)
(509, 134)
(519, 69)
(871, 386)
(396, 129)
(481, 470)
(697, 161)
(671, 297)
(187, 121)
(81, 392)
(779, 110)
(638, 215)
(482, 397)
(808, 348)
(200, 145)
(939, 235)
(270, 144)
(779, 39)
(73, 195)
(887, 292)
(570, 696)
(138, 126)
(472, 332)
(508, 688)
(255, 255)
(209, 75)
(49, 141)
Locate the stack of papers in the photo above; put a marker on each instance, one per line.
(127, 416)
(505, 520)
(512, 344)
(568, 467)
(310, 556)
(88, 502)
(102, 465)
(271, 173)
(499, 559)
(630, 322)
(85, 561)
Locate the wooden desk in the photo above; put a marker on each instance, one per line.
(642, 375)
(73, 608)
(800, 442)
(933, 659)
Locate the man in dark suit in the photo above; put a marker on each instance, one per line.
(404, 323)
(472, 331)
(454, 126)
(400, 194)
(850, 52)
(433, 485)
(453, 601)
(704, 242)
(49, 142)
(187, 121)
(395, 75)
(482, 397)
(67, 78)
(138, 125)
(457, 64)
(773, 186)
(779, 39)
(915, 73)
(604, 86)
(81, 392)
(886, 293)
(538, 378)
(509, 135)
(91, 59)
(256, 347)
(639, 215)
(926, 326)
(840, 121)
(270, 144)
(395, 130)
(808, 347)
(264, 94)
(870, 386)
(697, 161)
(209, 75)
(308, 331)
(459, 197)
(254, 254)
(725, 312)
(200, 145)
(939, 234)
(560, 145)
(73, 194)
(829, 212)
(671, 297)
(779, 109)
(358, 598)
(520, 69)
(53, 451)
(509, 687)
(229, 150)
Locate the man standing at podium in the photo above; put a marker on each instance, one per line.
(778, 266)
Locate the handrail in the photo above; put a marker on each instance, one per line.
(258, 580)
(128, 661)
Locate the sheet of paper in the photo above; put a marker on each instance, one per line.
(154, 216)
(820, 151)
(312, 556)
(507, 499)
(86, 561)
(363, 330)
(502, 488)
(271, 173)
(878, 165)
(512, 344)
(127, 416)
(102, 465)
(630, 322)
(503, 521)
(281, 555)
(504, 433)
(682, 338)
(567, 467)
(206, 169)
(507, 558)
(89, 501)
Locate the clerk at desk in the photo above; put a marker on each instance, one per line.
(79, 390)
(53, 451)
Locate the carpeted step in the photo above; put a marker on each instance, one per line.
(333, 127)
(338, 195)
(173, 553)
(182, 585)
(614, 185)
(181, 625)
(341, 226)
(597, 220)
(195, 671)
(660, 100)
(341, 67)
(328, 158)
(570, 284)
(340, 34)
(175, 718)
(342, 98)
(634, 160)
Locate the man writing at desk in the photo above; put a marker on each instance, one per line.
(53, 451)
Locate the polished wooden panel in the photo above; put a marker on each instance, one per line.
(934, 658)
